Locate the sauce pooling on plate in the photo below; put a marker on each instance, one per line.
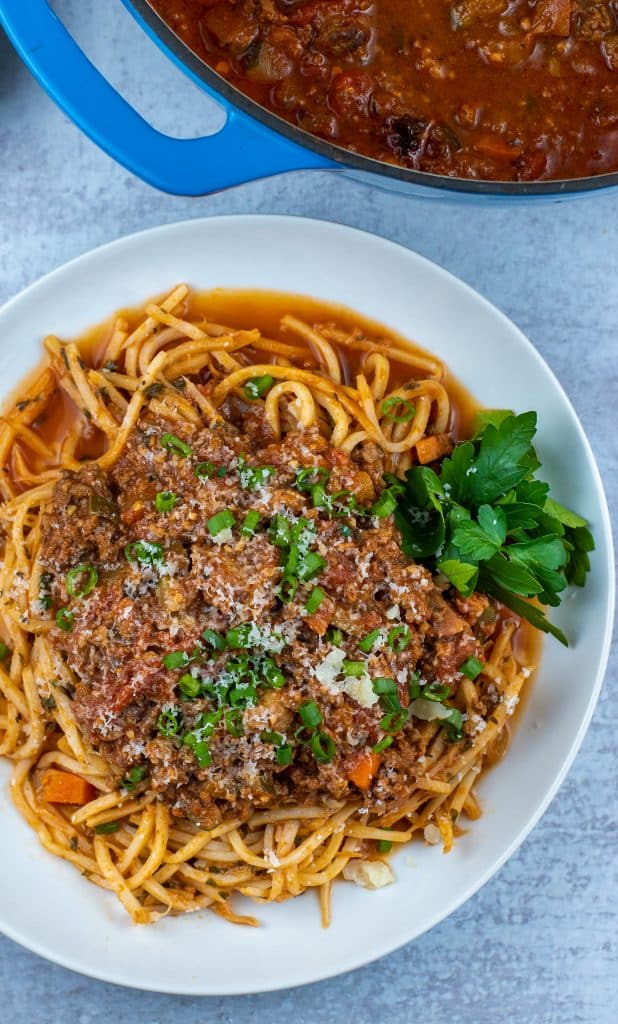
(520, 91)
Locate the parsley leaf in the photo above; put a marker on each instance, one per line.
(485, 522)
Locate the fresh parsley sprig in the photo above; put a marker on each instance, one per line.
(488, 524)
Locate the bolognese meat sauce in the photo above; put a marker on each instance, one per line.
(471, 88)
(242, 624)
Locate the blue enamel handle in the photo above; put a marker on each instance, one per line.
(241, 151)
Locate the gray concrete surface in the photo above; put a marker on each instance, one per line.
(538, 944)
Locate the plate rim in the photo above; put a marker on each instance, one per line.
(344, 963)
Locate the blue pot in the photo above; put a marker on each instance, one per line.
(253, 143)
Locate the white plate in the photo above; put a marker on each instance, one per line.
(45, 904)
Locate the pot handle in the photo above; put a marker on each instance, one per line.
(241, 151)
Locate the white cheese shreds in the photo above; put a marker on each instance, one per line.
(432, 834)
(428, 710)
(328, 669)
(393, 612)
(224, 536)
(370, 874)
(359, 688)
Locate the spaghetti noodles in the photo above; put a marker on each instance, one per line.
(177, 831)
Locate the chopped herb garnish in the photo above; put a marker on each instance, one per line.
(284, 754)
(65, 619)
(176, 659)
(322, 747)
(189, 685)
(81, 580)
(382, 744)
(143, 551)
(258, 386)
(310, 714)
(250, 523)
(165, 501)
(279, 531)
(106, 828)
(214, 639)
(134, 776)
(384, 845)
(310, 565)
(286, 589)
(238, 636)
(390, 405)
(310, 476)
(234, 723)
(314, 600)
(353, 668)
(346, 530)
(385, 504)
(169, 721)
(367, 643)
(253, 477)
(335, 637)
(453, 726)
(4, 650)
(173, 444)
(398, 638)
(272, 673)
(223, 520)
(204, 470)
(471, 667)
(393, 721)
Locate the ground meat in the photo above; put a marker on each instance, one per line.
(218, 730)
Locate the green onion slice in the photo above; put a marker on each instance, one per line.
(322, 747)
(223, 520)
(310, 714)
(382, 745)
(143, 551)
(250, 523)
(393, 403)
(258, 386)
(314, 600)
(176, 659)
(398, 638)
(189, 686)
(165, 501)
(353, 668)
(169, 721)
(234, 723)
(214, 639)
(367, 642)
(106, 828)
(89, 579)
(471, 667)
(173, 444)
(310, 476)
(65, 619)
(310, 565)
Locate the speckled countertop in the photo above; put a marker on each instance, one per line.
(539, 943)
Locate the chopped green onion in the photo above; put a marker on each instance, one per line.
(176, 659)
(258, 386)
(322, 747)
(223, 520)
(238, 636)
(252, 477)
(268, 736)
(106, 828)
(165, 501)
(234, 723)
(320, 499)
(3, 650)
(346, 530)
(65, 619)
(453, 725)
(310, 476)
(88, 584)
(143, 551)
(382, 745)
(398, 638)
(286, 590)
(436, 691)
(249, 523)
(335, 636)
(385, 504)
(471, 667)
(173, 444)
(279, 531)
(393, 721)
(384, 845)
(314, 600)
(367, 642)
(273, 674)
(221, 471)
(310, 565)
(283, 754)
(394, 402)
(189, 686)
(204, 470)
(310, 714)
(414, 686)
(200, 748)
(214, 639)
(353, 668)
(169, 721)
(387, 691)
(135, 775)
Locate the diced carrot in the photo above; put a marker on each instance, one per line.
(363, 770)
(65, 788)
(428, 449)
